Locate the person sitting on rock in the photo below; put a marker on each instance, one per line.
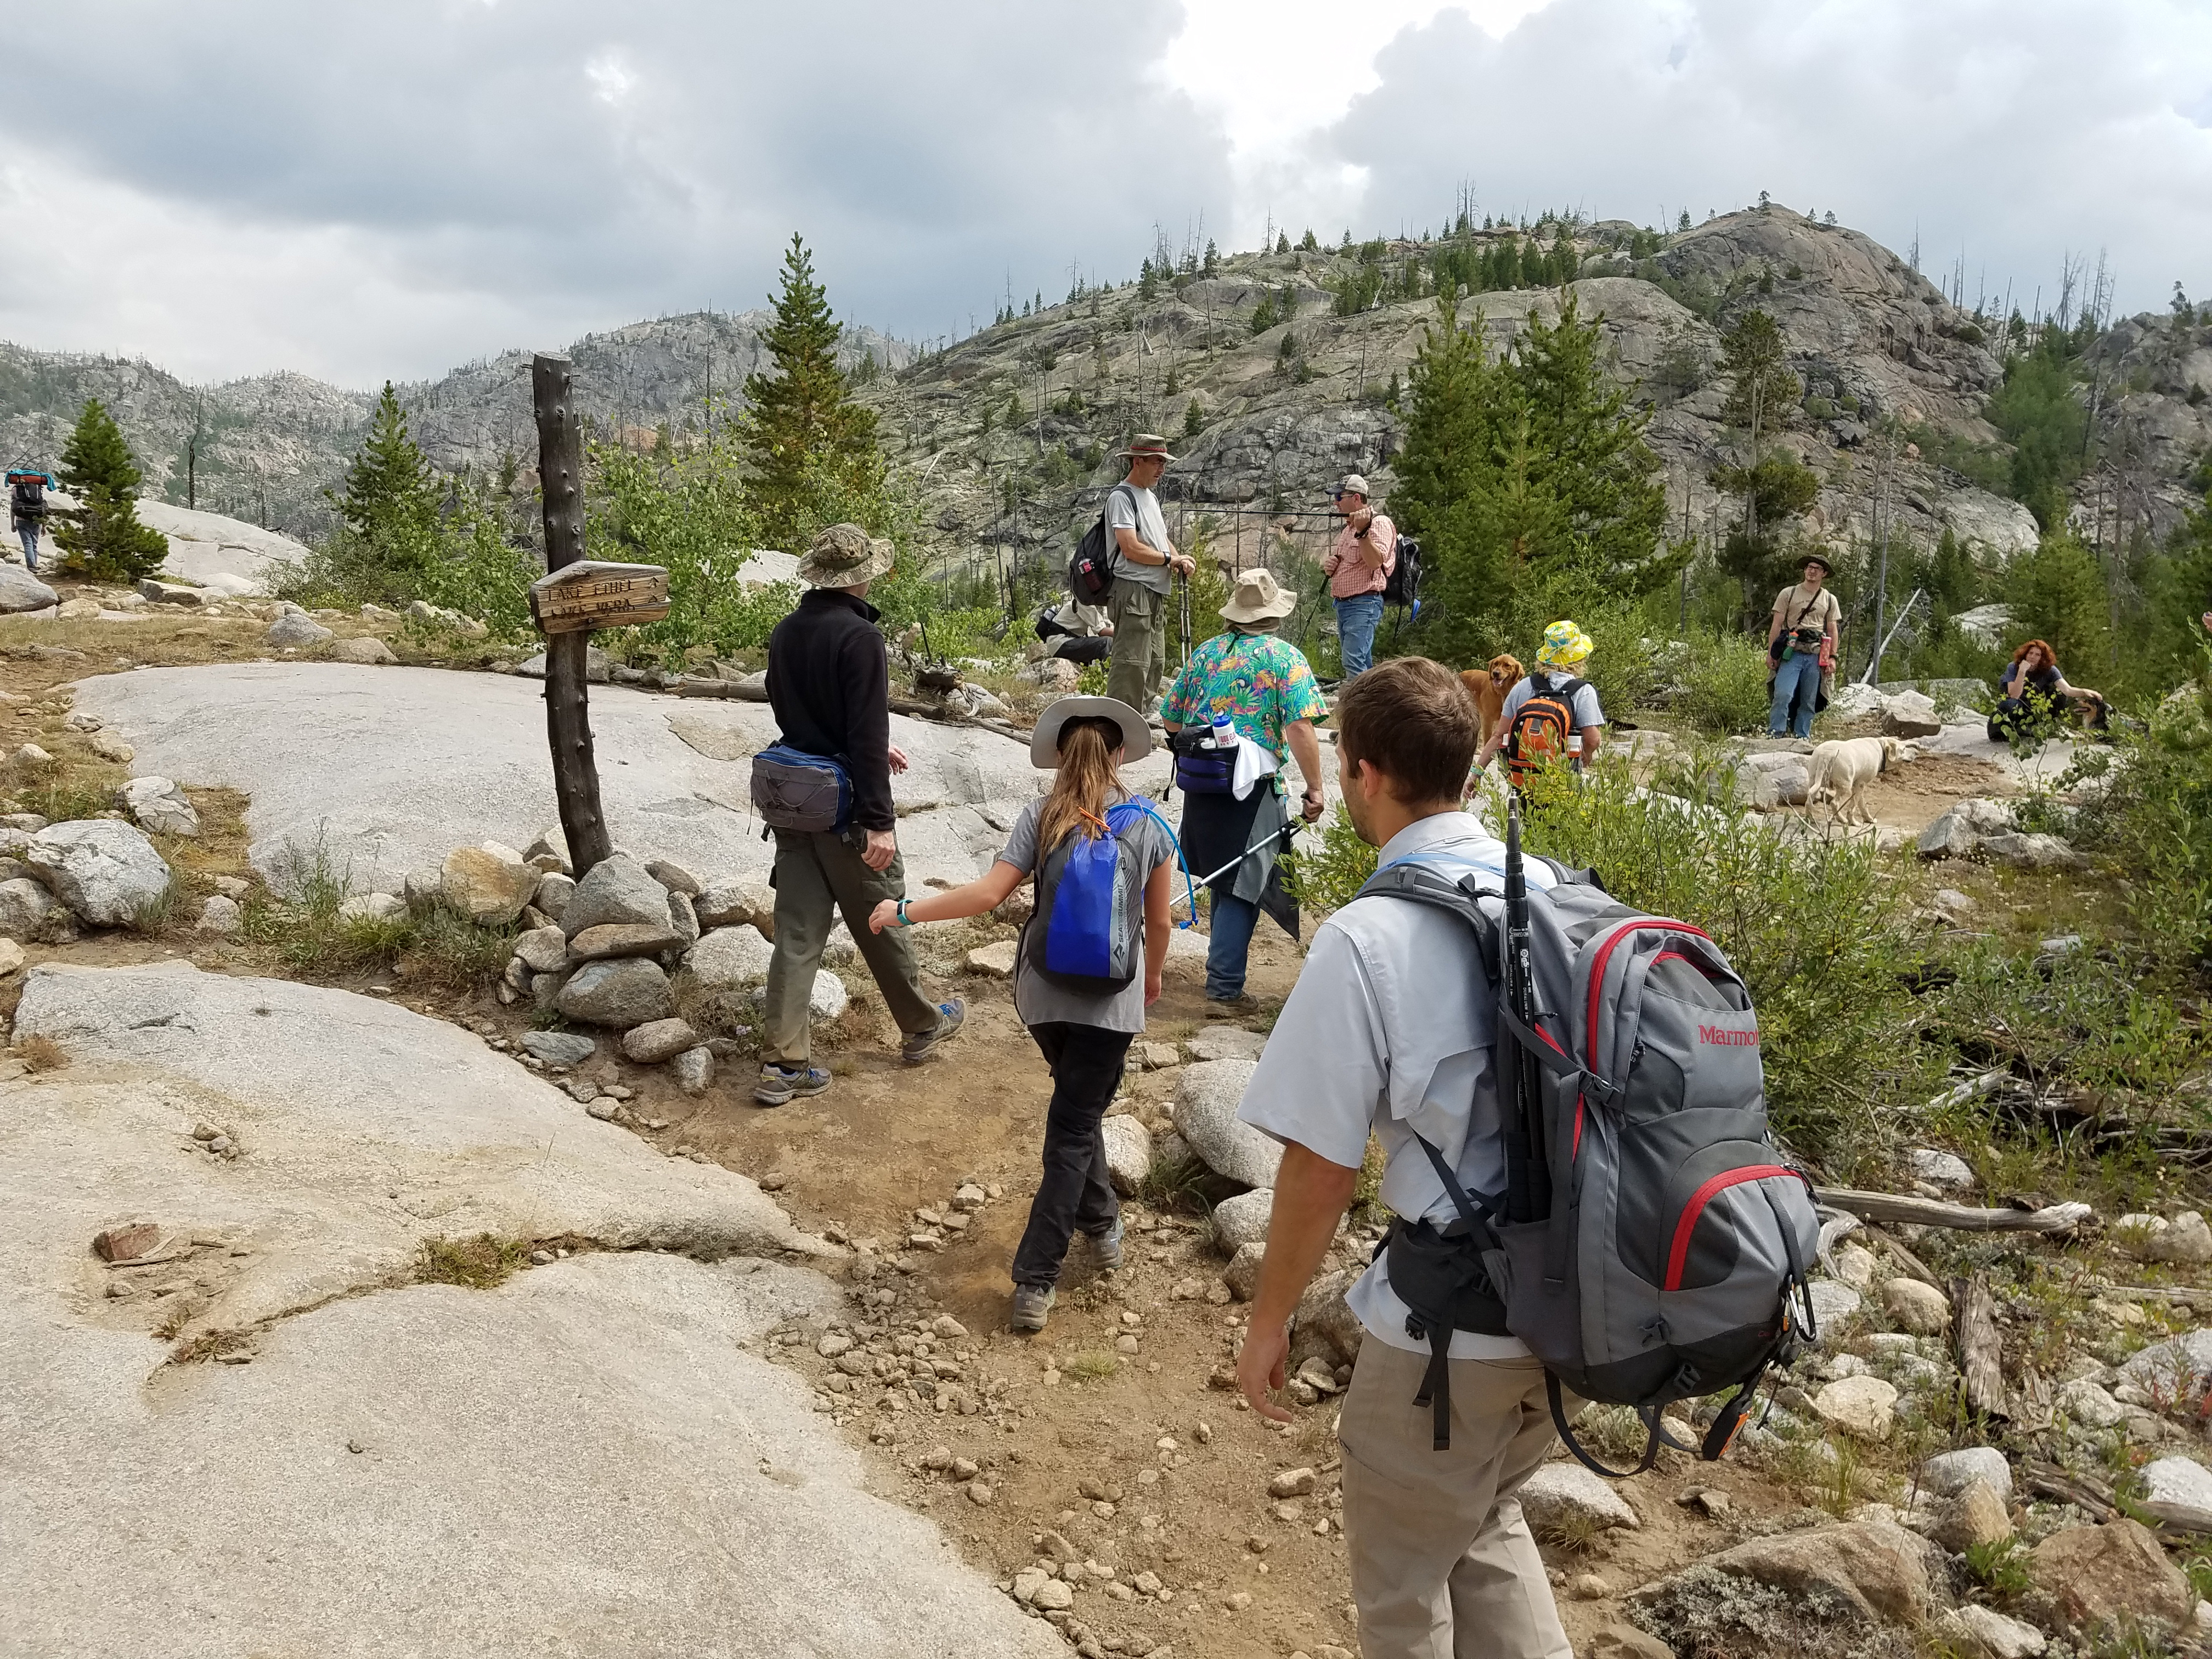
(1083, 1024)
(2032, 693)
(1260, 685)
(828, 681)
(1391, 1033)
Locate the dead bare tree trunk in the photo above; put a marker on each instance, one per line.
(1981, 1351)
(568, 711)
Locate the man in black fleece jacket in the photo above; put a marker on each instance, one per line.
(829, 681)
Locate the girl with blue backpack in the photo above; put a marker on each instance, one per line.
(1087, 968)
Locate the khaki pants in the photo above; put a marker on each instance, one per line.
(817, 875)
(1443, 1564)
(1140, 644)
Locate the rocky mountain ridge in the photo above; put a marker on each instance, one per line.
(1007, 436)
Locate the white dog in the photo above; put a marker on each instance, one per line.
(1842, 769)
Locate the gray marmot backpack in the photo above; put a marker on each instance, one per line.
(1650, 1245)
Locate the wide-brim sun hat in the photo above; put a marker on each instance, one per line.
(846, 556)
(1821, 559)
(1564, 644)
(1259, 598)
(1145, 446)
(1044, 741)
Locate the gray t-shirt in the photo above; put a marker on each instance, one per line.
(1143, 517)
(1037, 1000)
(1584, 700)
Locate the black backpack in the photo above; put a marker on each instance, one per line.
(1090, 571)
(1403, 586)
(30, 496)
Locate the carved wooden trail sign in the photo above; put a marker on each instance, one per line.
(596, 593)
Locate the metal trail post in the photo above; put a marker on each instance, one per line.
(568, 712)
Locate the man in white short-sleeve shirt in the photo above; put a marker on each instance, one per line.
(1146, 563)
(1390, 1031)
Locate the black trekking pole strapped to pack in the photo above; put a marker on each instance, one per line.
(1528, 1187)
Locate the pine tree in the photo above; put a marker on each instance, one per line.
(1283, 244)
(800, 419)
(390, 489)
(102, 537)
(1193, 420)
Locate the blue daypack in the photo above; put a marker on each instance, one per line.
(1087, 932)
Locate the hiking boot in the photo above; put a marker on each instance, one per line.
(780, 1084)
(916, 1048)
(1237, 1007)
(1031, 1303)
(1106, 1247)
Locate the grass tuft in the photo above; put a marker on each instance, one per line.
(1091, 1366)
(41, 1053)
(479, 1263)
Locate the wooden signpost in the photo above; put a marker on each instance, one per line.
(575, 597)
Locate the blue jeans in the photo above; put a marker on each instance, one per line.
(1357, 619)
(28, 530)
(1229, 943)
(1798, 681)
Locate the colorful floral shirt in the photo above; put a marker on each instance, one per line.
(1260, 682)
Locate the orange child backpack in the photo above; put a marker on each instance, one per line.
(1542, 725)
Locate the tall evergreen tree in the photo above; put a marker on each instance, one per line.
(102, 538)
(392, 490)
(801, 422)
(1773, 488)
(1528, 477)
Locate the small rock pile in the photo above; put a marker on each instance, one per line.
(1978, 828)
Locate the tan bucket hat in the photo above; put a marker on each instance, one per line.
(1044, 740)
(1145, 446)
(1259, 598)
(846, 556)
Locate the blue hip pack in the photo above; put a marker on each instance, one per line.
(794, 790)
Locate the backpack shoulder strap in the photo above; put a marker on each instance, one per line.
(1411, 879)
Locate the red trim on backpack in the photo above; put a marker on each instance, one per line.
(1604, 952)
(1577, 1151)
(1678, 1257)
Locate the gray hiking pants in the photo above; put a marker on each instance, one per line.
(817, 875)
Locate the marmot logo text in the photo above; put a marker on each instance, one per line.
(1728, 1039)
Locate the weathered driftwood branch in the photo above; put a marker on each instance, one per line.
(1913, 1265)
(1981, 1351)
(568, 713)
(1934, 1213)
(2044, 1479)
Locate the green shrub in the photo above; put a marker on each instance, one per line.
(1725, 684)
(2154, 815)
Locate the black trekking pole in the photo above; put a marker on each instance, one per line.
(1527, 1199)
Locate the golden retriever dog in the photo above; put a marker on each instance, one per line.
(1842, 767)
(1488, 687)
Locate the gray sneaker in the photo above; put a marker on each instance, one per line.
(779, 1085)
(916, 1048)
(1031, 1303)
(1106, 1247)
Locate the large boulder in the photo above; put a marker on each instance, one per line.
(107, 873)
(295, 629)
(1864, 1407)
(734, 900)
(27, 910)
(1207, 1098)
(21, 590)
(631, 991)
(2017, 851)
(729, 958)
(2100, 1576)
(617, 889)
(1957, 833)
(489, 884)
(1974, 1519)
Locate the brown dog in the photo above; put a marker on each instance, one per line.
(1488, 687)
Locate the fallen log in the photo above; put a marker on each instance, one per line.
(1980, 1349)
(2044, 1479)
(1934, 1213)
(702, 685)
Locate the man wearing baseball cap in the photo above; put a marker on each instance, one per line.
(1145, 563)
(1359, 568)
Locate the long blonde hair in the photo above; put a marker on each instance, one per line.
(1086, 784)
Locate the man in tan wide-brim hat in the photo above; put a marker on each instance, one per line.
(828, 681)
(1146, 563)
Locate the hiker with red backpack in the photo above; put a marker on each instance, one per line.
(1087, 968)
(1552, 716)
(1570, 1108)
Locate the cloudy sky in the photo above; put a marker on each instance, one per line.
(366, 188)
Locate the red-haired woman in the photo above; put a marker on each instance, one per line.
(2034, 690)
